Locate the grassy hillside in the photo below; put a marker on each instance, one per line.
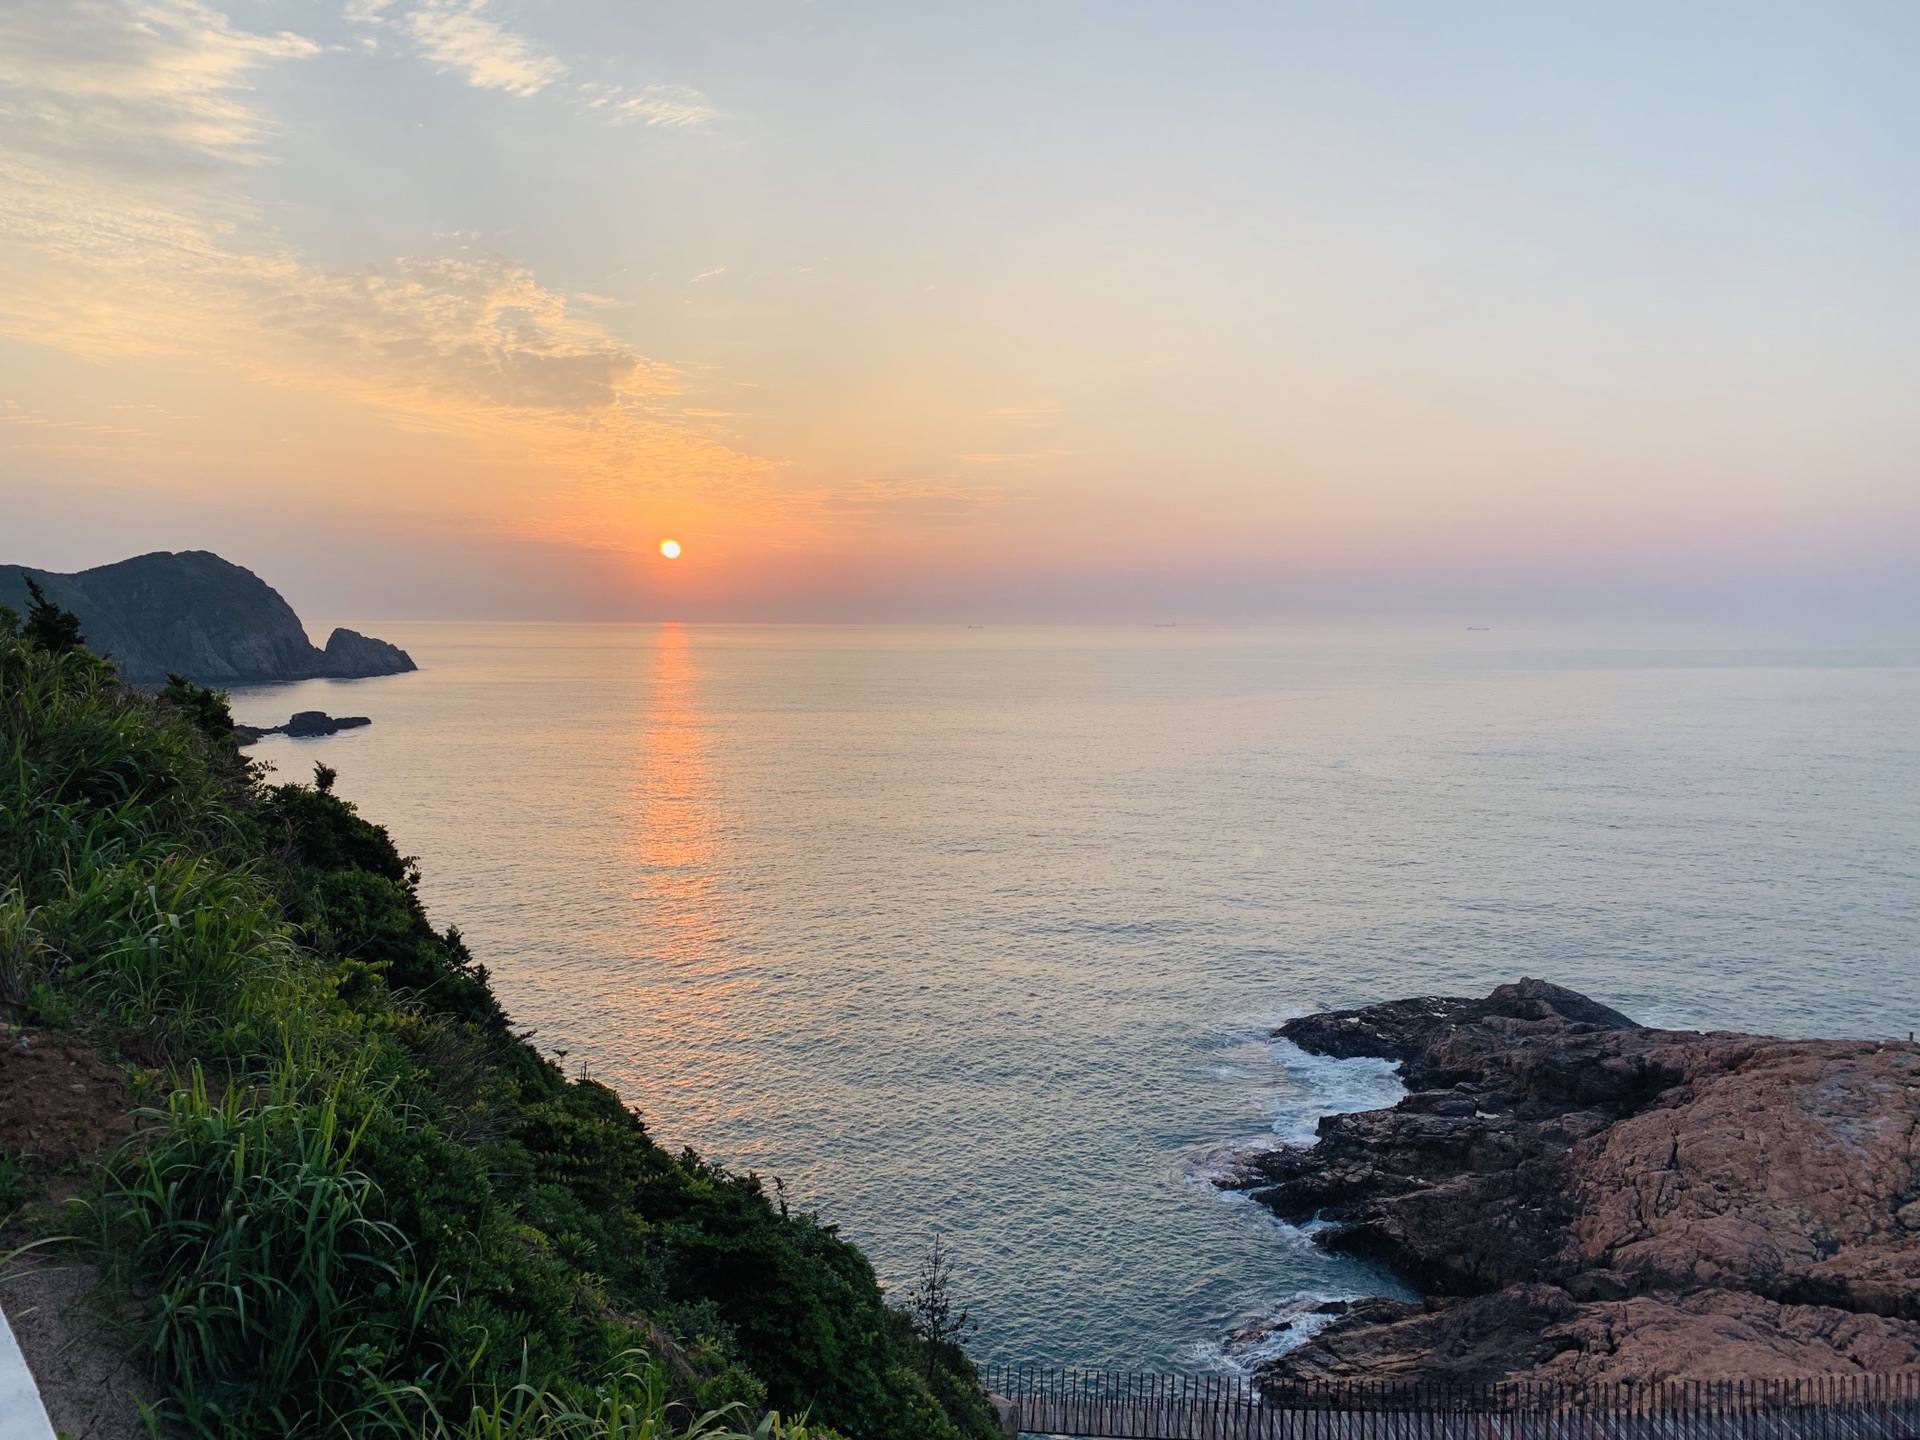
(361, 1204)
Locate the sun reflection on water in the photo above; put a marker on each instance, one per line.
(671, 836)
(688, 999)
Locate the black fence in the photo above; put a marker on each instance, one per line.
(1132, 1405)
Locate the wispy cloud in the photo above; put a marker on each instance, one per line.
(123, 132)
(458, 35)
(676, 107)
(482, 330)
(462, 37)
(160, 80)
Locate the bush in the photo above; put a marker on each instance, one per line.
(366, 1205)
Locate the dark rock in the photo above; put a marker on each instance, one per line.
(1554, 1161)
(194, 614)
(1470, 1343)
(303, 725)
(353, 656)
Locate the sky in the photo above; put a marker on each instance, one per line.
(1042, 311)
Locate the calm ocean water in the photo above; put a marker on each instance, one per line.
(980, 931)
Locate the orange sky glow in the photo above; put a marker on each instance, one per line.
(1221, 315)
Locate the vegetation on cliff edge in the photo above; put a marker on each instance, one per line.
(360, 1203)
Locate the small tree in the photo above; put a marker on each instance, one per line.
(49, 627)
(933, 1309)
(206, 707)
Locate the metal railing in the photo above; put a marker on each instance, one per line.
(1137, 1405)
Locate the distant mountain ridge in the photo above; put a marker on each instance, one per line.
(194, 614)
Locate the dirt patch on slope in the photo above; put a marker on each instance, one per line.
(62, 1103)
(64, 1106)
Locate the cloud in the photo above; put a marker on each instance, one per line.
(124, 134)
(676, 107)
(460, 37)
(126, 86)
(480, 330)
(457, 35)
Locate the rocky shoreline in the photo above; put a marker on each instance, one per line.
(1584, 1198)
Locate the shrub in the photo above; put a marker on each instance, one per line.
(366, 1204)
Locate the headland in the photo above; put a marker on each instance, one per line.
(192, 613)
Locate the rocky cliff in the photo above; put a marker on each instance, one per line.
(1586, 1198)
(197, 615)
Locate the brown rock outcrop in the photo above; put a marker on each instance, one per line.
(1587, 1198)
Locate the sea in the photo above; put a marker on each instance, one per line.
(983, 932)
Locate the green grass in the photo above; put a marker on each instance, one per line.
(361, 1205)
(274, 1290)
(634, 1406)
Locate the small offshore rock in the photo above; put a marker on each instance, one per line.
(318, 722)
(305, 724)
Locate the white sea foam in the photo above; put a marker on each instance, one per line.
(1297, 1238)
(1326, 1086)
(1297, 1090)
(1287, 1326)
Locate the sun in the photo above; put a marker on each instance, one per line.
(670, 549)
